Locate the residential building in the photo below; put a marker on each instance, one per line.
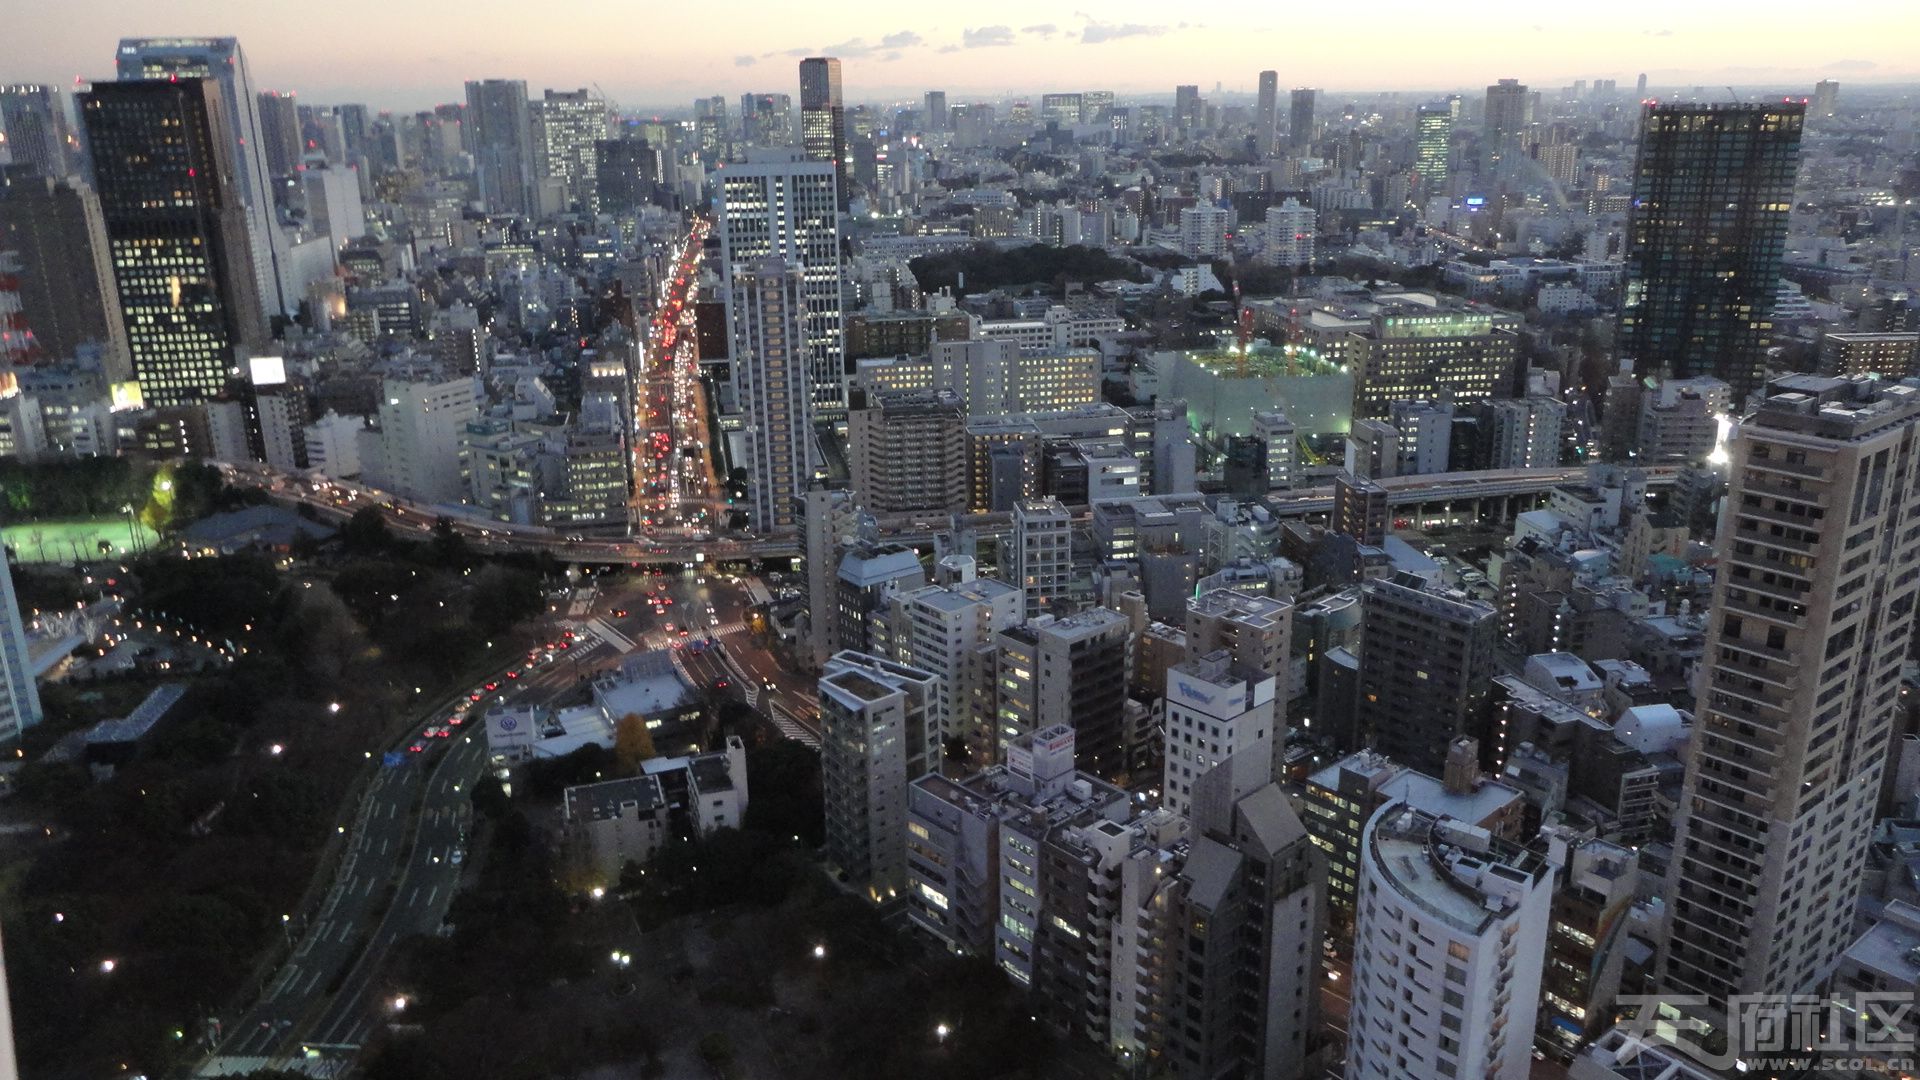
(1070, 670)
(1216, 707)
(767, 312)
(951, 631)
(1523, 433)
(779, 204)
(1290, 235)
(1042, 550)
(1203, 231)
(1425, 660)
(499, 128)
(907, 451)
(1800, 682)
(1300, 130)
(1706, 233)
(876, 737)
(1266, 117)
(1890, 355)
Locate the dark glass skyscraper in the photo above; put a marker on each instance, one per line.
(1300, 130)
(501, 127)
(177, 232)
(823, 117)
(36, 127)
(1705, 236)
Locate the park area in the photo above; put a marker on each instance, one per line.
(76, 541)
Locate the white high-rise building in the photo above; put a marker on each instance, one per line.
(1524, 433)
(877, 735)
(19, 696)
(767, 308)
(1448, 947)
(1215, 709)
(419, 438)
(1290, 228)
(1042, 554)
(1799, 689)
(566, 125)
(779, 204)
(1203, 231)
(221, 60)
(949, 631)
(1277, 432)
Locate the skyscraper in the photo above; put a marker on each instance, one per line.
(1509, 109)
(823, 118)
(176, 230)
(501, 129)
(767, 119)
(566, 126)
(1300, 129)
(221, 61)
(766, 307)
(35, 123)
(1266, 119)
(1186, 107)
(1826, 99)
(936, 110)
(280, 133)
(19, 696)
(1812, 613)
(66, 285)
(777, 203)
(1433, 140)
(1706, 233)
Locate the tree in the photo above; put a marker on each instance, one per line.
(632, 744)
(366, 533)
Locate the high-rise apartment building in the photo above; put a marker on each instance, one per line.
(1826, 101)
(1448, 950)
(499, 127)
(65, 279)
(1300, 127)
(1509, 110)
(35, 122)
(19, 694)
(876, 736)
(1266, 116)
(1523, 433)
(767, 311)
(1290, 235)
(1425, 661)
(1203, 231)
(1432, 146)
(907, 451)
(176, 233)
(221, 61)
(1188, 109)
(779, 204)
(1811, 619)
(1706, 233)
(1042, 554)
(567, 126)
(823, 120)
(1889, 355)
(951, 631)
(1071, 671)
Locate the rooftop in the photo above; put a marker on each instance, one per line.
(1454, 871)
(606, 799)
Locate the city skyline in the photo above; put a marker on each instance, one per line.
(1132, 48)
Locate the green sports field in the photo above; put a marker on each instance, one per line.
(67, 541)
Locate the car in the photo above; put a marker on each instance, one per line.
(620, 613)
(668, 627)
(492, 686)
(513, 674)
(418, 748)
(683, 631)
(475, 697)
(457, 857)
(456, 721)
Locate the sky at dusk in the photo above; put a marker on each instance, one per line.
(409, 54)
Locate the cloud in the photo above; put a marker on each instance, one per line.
(1041, 30)
(745, 61)
(949, 48)
(1097, 33)
(888, 58)
(901, 40)
(1850, 65)
(987, 37)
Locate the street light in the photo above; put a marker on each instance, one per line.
(941, 1031)
(819, 952)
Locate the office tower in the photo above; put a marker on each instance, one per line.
(766, 306)
(334, 209)
(567, 125)
(35, 123)
(1042, 552)
(65, 279)
(1186, 107)
(1418, 347)
(1425, 661)
(1360, 509)
(1203, 231)
(1266, 117)
(499, 126)
(876, 736)
(1096, 107)
(1433, 143)
(1811, 619)
(710, 126)
(1522, 433)
(951, 631)
(1888, 355)
(1706, 233)
(1255, 631)
(1071, 671)
(221, 61)
(415, 452)
(176, 231)
(767, 119)
(1061, 109)
(907, 451)
(779, 204)
(1300, 127)
(19, 695)
(280, 130)
(823, 120)
(1640, 87)
(626, 175)
(936, 110)
(354, 131)
(1509, 110)
(1448, 950)
(1826, 99)
(1290, 235)
(1216, 708)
